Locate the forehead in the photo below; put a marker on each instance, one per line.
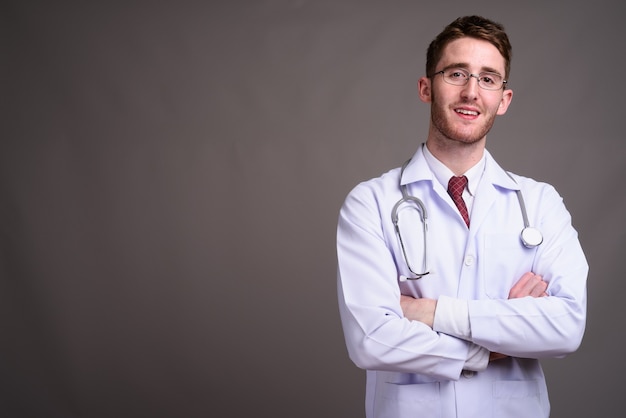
(474, 54)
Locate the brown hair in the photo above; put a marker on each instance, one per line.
(470, 26)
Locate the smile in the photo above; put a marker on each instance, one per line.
(466, 112)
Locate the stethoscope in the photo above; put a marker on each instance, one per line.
(531, 237)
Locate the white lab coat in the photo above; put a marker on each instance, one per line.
(413, 371)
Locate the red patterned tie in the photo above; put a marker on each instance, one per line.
(456, 185)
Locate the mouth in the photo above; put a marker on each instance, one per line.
(467, 112)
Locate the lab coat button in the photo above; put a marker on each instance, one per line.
(469, 260)
(468, 374)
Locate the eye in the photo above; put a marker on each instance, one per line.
(489, 79)
(456, 73)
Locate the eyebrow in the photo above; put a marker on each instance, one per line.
(465, 66)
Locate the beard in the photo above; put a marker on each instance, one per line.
(456, 132)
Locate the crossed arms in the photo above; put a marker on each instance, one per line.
(424, 309)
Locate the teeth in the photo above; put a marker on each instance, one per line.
(467, 112)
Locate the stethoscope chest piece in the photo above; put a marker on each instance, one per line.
(531, 237)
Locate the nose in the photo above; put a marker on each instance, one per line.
(471, 88)
(475, 76)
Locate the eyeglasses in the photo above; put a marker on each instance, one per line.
(460, 77)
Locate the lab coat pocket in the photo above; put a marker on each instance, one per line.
(505, 260)
(517, 398)
(404, 400)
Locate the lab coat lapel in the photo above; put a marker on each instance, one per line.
(487, 192)
(418, 171)
(485, 197)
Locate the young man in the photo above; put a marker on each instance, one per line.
(442, 300)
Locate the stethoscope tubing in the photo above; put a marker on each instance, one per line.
(531, 237)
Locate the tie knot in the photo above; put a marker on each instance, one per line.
(456, 185)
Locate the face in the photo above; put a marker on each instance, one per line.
(464, 114)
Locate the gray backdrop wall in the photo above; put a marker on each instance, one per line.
(171, 174)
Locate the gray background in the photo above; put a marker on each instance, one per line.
(171, 175)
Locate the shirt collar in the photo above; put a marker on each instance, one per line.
(423, 166)
(443, 173)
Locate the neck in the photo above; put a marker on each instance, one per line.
(457, 156)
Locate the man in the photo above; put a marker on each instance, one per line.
(451, 318)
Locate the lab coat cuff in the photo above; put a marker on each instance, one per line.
(477, 358)
(452, 317)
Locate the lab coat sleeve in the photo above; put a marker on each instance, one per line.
(377, 335)
(550, 326)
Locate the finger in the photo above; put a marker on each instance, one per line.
(518, 289)
(539, 289)
(527, 284)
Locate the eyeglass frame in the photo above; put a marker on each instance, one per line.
(470, 75)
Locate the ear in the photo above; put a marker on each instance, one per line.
(424, 89)
(507, 96)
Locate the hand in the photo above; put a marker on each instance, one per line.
(530, 284)
(493, 356)
(420, 309)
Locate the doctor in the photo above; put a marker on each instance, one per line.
(455, 325)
